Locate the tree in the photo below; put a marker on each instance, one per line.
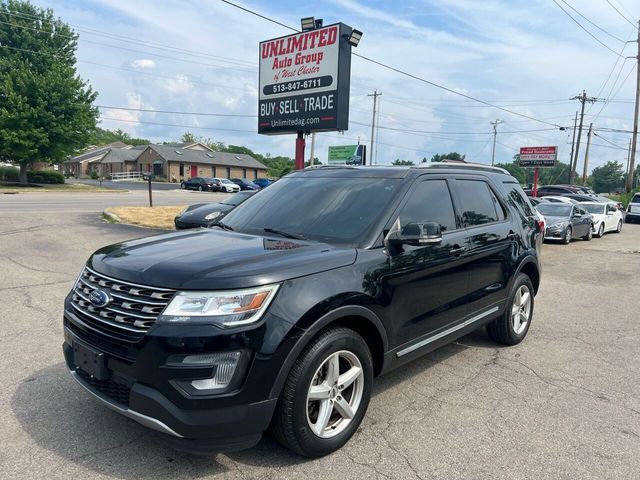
(608, 177)
(101, 136)
(447, 156)
(45, 107)
(188, 137)
(516, 171)
(399, 162)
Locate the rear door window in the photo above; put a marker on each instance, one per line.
(476, 202)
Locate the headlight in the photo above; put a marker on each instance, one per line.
(232, 308)
(212, 215)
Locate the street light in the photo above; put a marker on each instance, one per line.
(355, 37)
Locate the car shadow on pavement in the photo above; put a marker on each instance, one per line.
(60, 417)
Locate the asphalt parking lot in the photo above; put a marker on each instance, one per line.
(563, 404)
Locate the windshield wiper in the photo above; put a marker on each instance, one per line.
(284, 234)
(224, 226)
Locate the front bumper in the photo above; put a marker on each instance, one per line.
(553, 234)
(197, 425)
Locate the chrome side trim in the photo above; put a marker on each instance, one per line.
(446, 332)
(132, 414)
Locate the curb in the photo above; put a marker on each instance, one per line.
(111, 216)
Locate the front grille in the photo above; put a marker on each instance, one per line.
(131, 311)
(118, 392)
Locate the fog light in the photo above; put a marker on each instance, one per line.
(223, 371)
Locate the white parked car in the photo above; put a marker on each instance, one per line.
(633, 209)
(606, 217)
(227, 185)
(558, 199)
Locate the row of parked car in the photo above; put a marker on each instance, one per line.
(571, 212)
(224, 184)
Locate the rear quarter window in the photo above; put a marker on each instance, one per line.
(518, 199)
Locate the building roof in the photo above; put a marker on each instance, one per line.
(174, 154)
(95, 151)
(119, 155)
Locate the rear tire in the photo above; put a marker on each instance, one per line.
(512, 326)
(199, 188)
(314, 427)
(183, 186)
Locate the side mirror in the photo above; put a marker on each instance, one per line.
(577, 215)
(415, 234)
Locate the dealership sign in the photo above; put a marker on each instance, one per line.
(538, 156)
(304, 81)
(347, 155)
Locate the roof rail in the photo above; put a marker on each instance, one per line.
(310, 167)
(464, 166)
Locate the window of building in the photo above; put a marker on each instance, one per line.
(182, 169)
(228, 172)
(213, 171)
(244, 173)
(255, 173)
(430, 202)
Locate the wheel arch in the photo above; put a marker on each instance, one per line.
(357, 318)
(530, 268)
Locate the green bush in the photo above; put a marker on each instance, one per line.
(94, 175)
(45, 176)
(9, 174)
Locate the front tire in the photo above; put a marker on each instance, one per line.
(568, 233)
(326, 394)
(589, 234)
(512, 326)
(600, 231)
(619, 227)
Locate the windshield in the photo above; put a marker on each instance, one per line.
(554, 209)
(635, 199)
(237, 199)
(226, 180)
(331, 210)
(594, 208)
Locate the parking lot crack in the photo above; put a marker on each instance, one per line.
(34, 269)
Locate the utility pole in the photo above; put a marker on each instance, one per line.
(313, 147)
(634, 138)
(628, 159)
(573, 141)
(583, 99)
(495, 134)
(375, 96)
(586, 155)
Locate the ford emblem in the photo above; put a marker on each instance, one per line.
(99, 298)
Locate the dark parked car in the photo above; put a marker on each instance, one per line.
(580, 197)
(245, 184)
(556, 190)
(566, 221)
(207, 214)
(198, 183)
(633, 209)
(263, 182)
(282, 315)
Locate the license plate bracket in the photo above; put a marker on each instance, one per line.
(90, 361)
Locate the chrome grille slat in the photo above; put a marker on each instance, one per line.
(133, 309)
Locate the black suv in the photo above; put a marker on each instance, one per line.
(280, 317)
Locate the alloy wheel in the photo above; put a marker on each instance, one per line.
(521, 309)
(601, 230)
(567, 235)
(335, 394)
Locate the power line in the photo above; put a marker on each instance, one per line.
(178, 112)
(156, 45)
(588, 32)
(176, 125)
(620, 13)
(401, 72)
(595, 25)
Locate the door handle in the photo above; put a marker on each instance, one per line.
(513, 236)
(457, 250)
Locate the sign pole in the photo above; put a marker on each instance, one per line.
(300, 150)
(535, 182)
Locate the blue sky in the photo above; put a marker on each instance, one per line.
(527, 56)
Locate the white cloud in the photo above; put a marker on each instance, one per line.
(179, 85)
(143, 63)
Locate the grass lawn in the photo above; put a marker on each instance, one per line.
(6, 187)
(152, 217)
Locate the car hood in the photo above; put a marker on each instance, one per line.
(213, 259)
(556, 220)
(202, 211)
